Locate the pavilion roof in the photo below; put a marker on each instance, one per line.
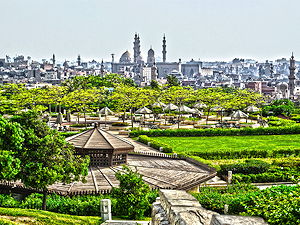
(99, 139)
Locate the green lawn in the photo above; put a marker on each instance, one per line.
(31, 216)
(234, 143)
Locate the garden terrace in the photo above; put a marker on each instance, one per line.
(158, 170)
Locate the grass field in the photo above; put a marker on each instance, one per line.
(31, 216)
(202, 144)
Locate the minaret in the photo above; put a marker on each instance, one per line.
(292, 76)
(136, 48)
(53, 60)
(112, 58)
(78, 60)
(102, 68)
(164, 51)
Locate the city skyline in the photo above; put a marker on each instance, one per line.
(209, 31)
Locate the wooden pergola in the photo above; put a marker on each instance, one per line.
(104, 149)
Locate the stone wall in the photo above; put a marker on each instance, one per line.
(175, 207)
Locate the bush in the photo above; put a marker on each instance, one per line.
(132, 194)
(273, 175)
(295, 129)
(79, 125)
(277, 205)
(248, 167)
(120, 124)
(68, 134)
(155, 144)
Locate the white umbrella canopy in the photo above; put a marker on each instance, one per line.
(252, 108)
(159, 104)
(143, 110)
(238, 115)
(197, 111)
(184, 108)
(106, 111)
(200, 105)
(171, 106)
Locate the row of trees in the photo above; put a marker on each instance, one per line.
(87, 94)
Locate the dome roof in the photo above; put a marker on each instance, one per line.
(125, 58)
(282, 86)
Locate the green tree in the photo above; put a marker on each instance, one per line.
(45, 157)
(132, 194)
(279, 107)
(172, 80)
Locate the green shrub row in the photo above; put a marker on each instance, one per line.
(277, 205)
(87, 205)
(120, 124)
(155, 144)
(68, 134)
(272, 175)
(248, 167)
(295, 129)
(79, 125)
(246, 153)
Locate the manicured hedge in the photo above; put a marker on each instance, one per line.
(272, 175)
(295, 129)
(68, 134)
(277, 205)
(248, 167)
(246, 153)
(120, 124)
(155, 144)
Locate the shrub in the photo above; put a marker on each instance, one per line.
(248, 167)
(277, 205)
(132, 194)
(295, 129)
(155, 144)
(272, 175)
(79, 125)
(120, 124)
(68, 134)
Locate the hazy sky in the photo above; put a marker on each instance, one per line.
(199, 29)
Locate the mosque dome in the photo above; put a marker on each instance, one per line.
(283, 86)
(125, 58)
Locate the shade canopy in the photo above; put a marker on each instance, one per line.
(252, 108)
(106, 111)
(59, 118)
(99, 139)
(159, 104)
(184, 108)
(171, 106)
(143, 110)
(197, 111)
(239, 114)
(200, 105)
(103, 148)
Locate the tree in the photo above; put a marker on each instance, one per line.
(279, 107)
(132, 194)
(45, 157)
(172, 80)
(128, 97)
